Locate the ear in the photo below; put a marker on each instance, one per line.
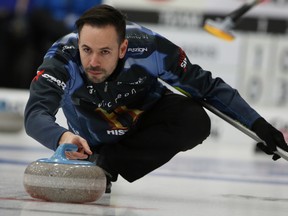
(123, 48)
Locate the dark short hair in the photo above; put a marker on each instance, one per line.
(103, 15)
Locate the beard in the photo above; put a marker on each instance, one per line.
(96, 74)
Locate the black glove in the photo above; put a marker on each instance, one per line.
(272, 137)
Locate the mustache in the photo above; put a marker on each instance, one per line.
(91, 68)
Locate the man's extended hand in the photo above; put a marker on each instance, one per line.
(272, 137)
(83, 147)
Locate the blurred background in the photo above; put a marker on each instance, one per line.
(256, 62)
(27, 30)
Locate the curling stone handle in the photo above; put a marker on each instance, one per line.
(59, 155)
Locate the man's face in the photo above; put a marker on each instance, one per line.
(100, 51)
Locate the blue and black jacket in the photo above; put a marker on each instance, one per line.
(104, 112)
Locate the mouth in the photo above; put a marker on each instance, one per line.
(93, 72)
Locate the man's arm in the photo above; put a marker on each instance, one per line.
(200, 85)
(46, 91)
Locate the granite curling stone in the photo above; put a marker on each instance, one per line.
(59, 179)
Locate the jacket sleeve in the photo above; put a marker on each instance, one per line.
(179, 72)
(46, 91)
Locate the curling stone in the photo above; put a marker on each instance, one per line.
(59, 179)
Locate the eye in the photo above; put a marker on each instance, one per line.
(105, 52)
(86, 50)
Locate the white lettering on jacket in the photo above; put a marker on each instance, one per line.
(55, 80)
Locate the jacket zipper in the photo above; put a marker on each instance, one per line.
(106, 87)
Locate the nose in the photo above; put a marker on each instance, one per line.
(95, 61)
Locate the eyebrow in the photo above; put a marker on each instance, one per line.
(102, 48)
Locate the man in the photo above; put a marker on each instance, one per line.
(105, 78)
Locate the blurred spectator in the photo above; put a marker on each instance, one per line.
(67, 11)
(13, 34)
(27, 29)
